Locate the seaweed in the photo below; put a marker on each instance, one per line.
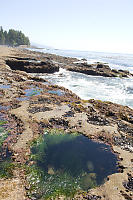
(6, 168)
(61, 165)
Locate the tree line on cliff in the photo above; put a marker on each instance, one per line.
(13, 38)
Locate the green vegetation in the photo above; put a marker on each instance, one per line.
(33, 92)
(60, 173)
(6, 168)
(2, 122)
(3, 133)
(53, 137)
(47, 186)
(13, 38)
(6, 165)
(3, 136)
(62, 164)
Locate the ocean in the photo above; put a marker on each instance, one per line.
(116, 90)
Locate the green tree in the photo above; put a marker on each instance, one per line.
(13, 38)
(6, 37)
(2, 37)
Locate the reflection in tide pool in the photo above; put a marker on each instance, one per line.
(69, 162)
(32, 91)
(116, 90)
(4, 86)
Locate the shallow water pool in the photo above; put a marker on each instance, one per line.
(71, 162)
(57, 92)
(32, 92)
(4, 86)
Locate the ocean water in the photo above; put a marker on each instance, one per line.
(117, 90)
(115, 60)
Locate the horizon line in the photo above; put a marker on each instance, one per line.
(67, 49)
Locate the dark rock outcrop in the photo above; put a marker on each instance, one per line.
(129, 185)
(32, 66)
(97, 69)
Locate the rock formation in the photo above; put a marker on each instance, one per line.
(32, 66)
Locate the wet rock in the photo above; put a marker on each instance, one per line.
(59, 122)
(84, 59)
(40, 100)
(97, 119)
(97, 69)
(126, 196)
(89, 197)
(38, 109)
(92, 197)
(125, 139)
(32, 66)
(129, 184)
(15, 104)
(125, 128)
(113, 110)
(69, 114)
(38, 79)
(121, 168)
(102, 66)
(44, 124)
(13, 128)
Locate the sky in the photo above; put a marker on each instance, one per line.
(89, 25)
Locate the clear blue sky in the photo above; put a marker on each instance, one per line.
(95, 25)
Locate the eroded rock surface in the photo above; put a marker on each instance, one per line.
(33, 111)
(32, 66)
(97, 69)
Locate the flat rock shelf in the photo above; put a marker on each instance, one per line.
(36, 162)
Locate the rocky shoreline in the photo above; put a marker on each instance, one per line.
(97, 69)
(35, 62)
(29, 105)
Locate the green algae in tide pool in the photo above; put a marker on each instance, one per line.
(3, 131)
(68, 163)
(33, 91)
(6, 165)
(3, 135)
